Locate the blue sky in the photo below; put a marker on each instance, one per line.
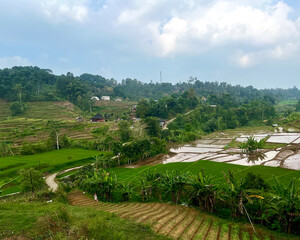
(246, 42)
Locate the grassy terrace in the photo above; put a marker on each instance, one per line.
(46, 162)
(36, 220)
(215, 169)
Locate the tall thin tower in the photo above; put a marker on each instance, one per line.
(160, 77)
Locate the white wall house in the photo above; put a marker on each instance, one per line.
(105, 98)
(95, 98)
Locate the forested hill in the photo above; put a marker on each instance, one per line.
(35, 84)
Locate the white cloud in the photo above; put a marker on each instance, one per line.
(280, 52)
(59, 10)
(194, 27)
(8, 62)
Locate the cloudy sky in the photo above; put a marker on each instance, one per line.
(246, 42)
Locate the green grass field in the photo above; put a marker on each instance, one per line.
(288, 102)
(46, 162)
(117, 108)
(213, 168)
(60, 221)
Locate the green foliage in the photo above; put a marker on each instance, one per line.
(252, 145)
(5, 149)
(31, 180)
(203, 191)
(17, 108)
(298, 106)
(124, 131)
(249, 197)
(283, 208)
(35, 220)
(152, 126)
(255, 181)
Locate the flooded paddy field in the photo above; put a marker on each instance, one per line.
(284, 150)
(215, 147)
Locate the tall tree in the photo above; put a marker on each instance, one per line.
(54, 131)
(32, 179)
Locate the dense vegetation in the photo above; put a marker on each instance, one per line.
(276, 205)
(34, 84)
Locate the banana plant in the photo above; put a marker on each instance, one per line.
(126, 190)
(204, 191)
(236, 195)
(149, 182)
(174, 183)
(283, 208)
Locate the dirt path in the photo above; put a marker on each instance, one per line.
(171, 120)
(50, 179)
(176, 222)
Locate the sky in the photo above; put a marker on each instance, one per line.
(245, 42)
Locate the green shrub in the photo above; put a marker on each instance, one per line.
(17, 108)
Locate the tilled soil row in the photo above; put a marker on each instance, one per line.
(177, 222)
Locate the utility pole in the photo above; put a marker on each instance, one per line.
(160, 77)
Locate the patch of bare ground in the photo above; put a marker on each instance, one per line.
(65, 104)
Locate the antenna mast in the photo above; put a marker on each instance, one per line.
(160, 77)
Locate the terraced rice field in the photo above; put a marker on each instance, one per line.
(176, 222)
(217, 149)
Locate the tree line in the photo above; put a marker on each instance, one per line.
(23, 84)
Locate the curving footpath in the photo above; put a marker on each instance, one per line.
(50, 179)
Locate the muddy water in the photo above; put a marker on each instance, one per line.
(292, 162)
(282, 139)
(194, 150)
(211, 148)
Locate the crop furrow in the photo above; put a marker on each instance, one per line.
(133, 210)
(164, 215)
(172, 216)
(152, 214)
(121, 211)
(219, 232)
(229, 232)
(168, 228)
(187, 226)
(197, 229)
(120, 207)
(146, 210)
(176, 229)
(208, 230)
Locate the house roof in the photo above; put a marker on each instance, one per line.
(98, 116)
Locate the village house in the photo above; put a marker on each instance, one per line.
(79, 119)
(162, 122)
(98, 118)
(95, 98)
(134, 108)
(105, 98)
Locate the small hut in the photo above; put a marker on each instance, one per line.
(98, 118)
(79, 119)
